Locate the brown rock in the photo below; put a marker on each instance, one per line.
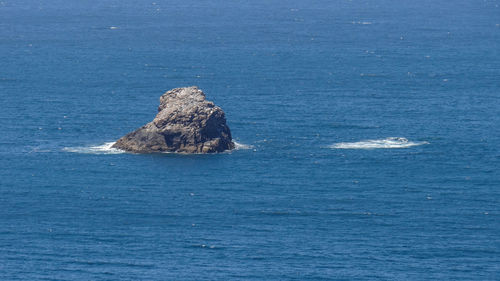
(186, 122)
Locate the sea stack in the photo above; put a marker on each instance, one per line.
(186, 123)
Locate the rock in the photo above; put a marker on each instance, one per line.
(186, 122)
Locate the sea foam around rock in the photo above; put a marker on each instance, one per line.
(105, 148)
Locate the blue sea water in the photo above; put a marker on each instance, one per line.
(371, 130)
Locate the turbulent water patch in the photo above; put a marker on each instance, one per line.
(392, 142)
(240, 146)
(105, 148)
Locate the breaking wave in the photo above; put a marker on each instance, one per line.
(105, 148)
(239, 146)
(392, 142)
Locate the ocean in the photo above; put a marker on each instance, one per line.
(368, 132)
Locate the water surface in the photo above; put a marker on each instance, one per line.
(295, 78)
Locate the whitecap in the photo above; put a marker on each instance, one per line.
(392, 142)
(362, 22)
(239, 146)
(105, 148)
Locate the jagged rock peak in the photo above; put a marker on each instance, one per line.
(186, 122)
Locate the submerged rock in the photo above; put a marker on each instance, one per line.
(186, 122)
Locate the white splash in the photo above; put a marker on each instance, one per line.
(239, 146)
(361, 22)
(392, 142)
(105, 148)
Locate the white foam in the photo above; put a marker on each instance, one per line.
(361, 22)
(392, 142)
(238, 146)
(105, 148)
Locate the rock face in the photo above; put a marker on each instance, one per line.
(186, 122)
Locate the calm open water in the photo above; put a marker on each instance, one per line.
(307, 86)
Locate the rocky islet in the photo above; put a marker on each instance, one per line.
(186, 123)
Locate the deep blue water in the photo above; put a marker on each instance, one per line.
(294, 78)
